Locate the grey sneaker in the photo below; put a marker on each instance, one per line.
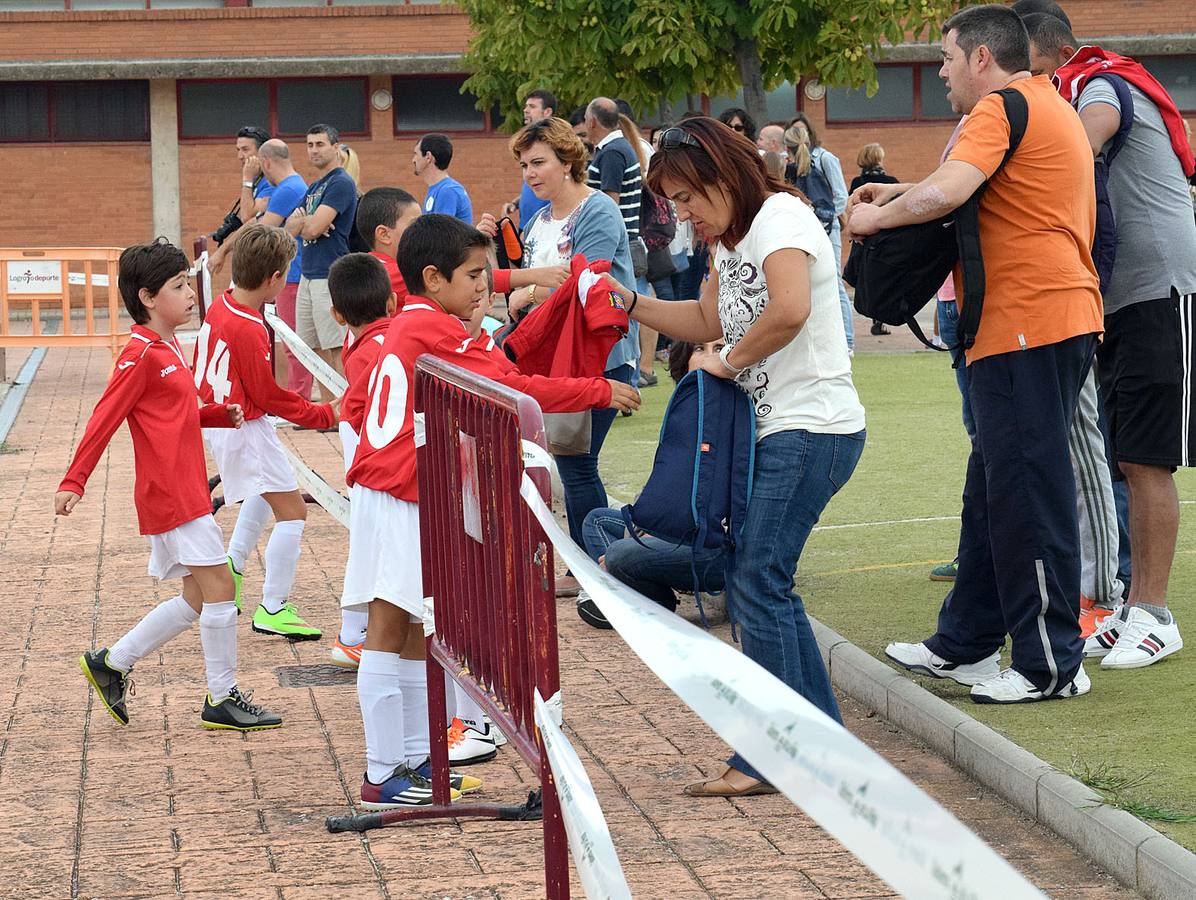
(236, 713)
(112, 685)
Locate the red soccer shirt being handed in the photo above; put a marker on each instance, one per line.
(385, 459)
(152, 388)
(233, 364)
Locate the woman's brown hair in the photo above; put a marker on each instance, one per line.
(723, 160)
(558, 135)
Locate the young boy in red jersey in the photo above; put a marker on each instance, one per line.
(383, 214)
(233, 361)
(363, 300)
(151, 387)
(443, 262)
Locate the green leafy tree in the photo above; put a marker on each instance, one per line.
(656, 52)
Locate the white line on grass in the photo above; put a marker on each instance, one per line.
(887, 522)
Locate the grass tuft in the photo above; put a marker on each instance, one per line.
(1117, 784)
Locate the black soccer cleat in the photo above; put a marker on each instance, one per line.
(111, 684)
(236, 713)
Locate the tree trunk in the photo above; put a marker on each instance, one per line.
(747, 57)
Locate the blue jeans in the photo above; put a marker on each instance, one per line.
(844, 302)
(689, 284)
(579, 474)
(797, 473)
(655, 570)
(948, 316)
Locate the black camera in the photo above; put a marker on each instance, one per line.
(231, 223)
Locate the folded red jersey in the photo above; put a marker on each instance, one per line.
(570, 335)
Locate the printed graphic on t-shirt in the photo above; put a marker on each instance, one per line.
(742, 296)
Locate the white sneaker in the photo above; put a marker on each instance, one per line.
(467, 745)
(500, 739)
(1013, 687)
(1101, 641)
(918, 658)
(1141, 641)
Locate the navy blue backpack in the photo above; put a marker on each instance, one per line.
(701, 478)
(1104, 242)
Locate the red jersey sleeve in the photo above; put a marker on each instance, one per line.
(251, 357)
(119, 397)
(483, 356)
(502, 280)
(214, 415)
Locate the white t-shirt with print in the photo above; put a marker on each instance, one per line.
(807, 383)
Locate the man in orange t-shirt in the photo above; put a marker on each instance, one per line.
(1042, 316)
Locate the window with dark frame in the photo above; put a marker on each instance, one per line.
(423, 104)
(74, 111)
(1178, 75)
(905, 93)
(285, 107)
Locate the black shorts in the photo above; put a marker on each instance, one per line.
(1145, 368)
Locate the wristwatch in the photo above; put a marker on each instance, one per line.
(722, 355)
(248, 184)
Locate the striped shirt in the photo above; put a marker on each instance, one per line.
(615, 168)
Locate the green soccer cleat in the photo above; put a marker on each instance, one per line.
(237, 577)
(285, 623)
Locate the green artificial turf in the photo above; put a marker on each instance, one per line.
(1130, 737)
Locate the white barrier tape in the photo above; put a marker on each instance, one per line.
(323, 372)
(332, 501)
(593, 851)
(877, 813)
(535, 456)
(429, 617)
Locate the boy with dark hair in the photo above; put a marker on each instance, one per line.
(362, 300)
(1026, 8)
(151, 387)
(383, 214)
(233, 360)
(446, 195)
(444, 264)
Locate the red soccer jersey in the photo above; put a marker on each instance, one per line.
(385, 459)
(233, 364)
(358, 359)
(152, 388)
(397, 284)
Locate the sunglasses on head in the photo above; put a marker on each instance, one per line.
(673, 138)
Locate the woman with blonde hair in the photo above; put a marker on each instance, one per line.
(577, 219)
(351, 163)
(871, 160)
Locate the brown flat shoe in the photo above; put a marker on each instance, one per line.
(732, 783)
(567, 586)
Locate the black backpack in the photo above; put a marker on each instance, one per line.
(897, 271)
(1104, 242)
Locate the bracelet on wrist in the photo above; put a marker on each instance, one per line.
(635, 298)
(722, 356)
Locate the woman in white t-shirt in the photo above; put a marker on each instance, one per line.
(773, 297)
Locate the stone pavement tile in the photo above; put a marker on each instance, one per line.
(104, 873)
(727, 882)
(354, 890)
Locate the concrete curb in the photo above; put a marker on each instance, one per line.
(1129, 849)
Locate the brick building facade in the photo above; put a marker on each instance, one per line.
(117, 122)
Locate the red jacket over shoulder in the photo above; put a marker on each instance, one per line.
(234, 364)
(152, 388)
(385, 459)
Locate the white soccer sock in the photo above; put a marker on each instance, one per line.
(468, 710)
(167, 620)
(413, 676)
(381, 699)
(353, 626)
(251, 522)
(282, 555)
(218, 634)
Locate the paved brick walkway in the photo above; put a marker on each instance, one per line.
(165, 809)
